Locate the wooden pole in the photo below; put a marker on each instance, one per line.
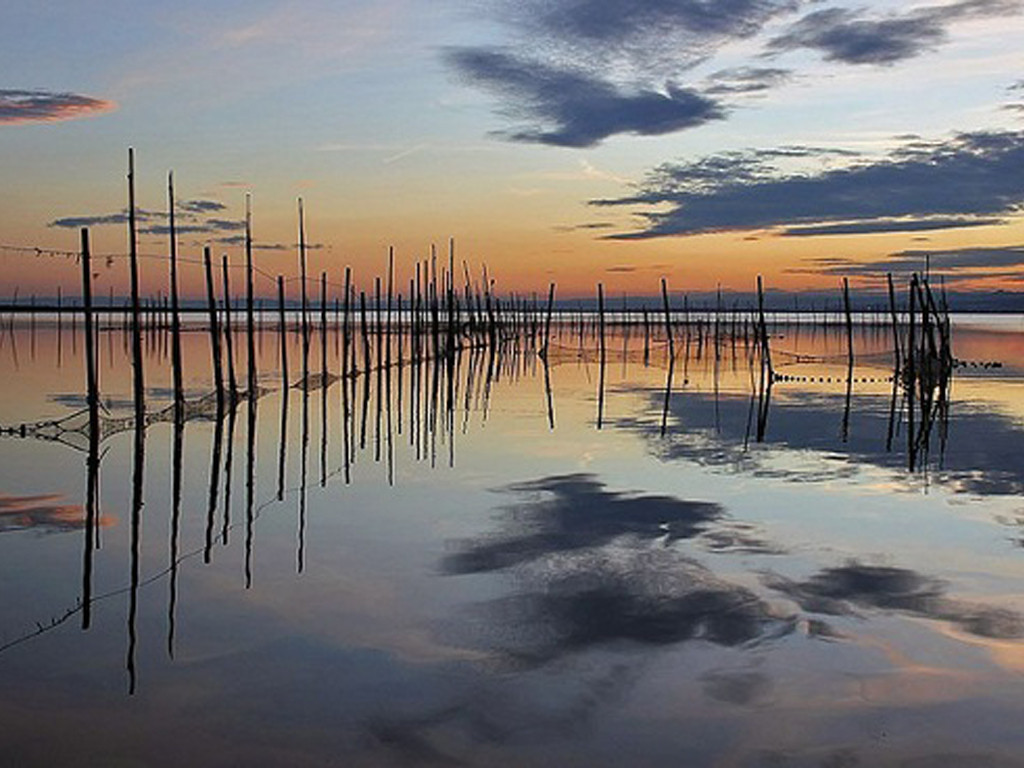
(138, 381)
(765, 349)
(211, 311)
(176, 372)
(283, 328)
(547, 320)
(250, 322)
(895, 325)
(600, 390)
(229, 332)
(668, 320)
(92, 382)
(849, 325)
(302, 278)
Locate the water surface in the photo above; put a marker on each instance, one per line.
(490, 561)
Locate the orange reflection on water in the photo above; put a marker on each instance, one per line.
(43, 512)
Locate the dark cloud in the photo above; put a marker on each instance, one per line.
(76, 222)
(225, 224)
(18, 106)
(570, 108)
(240, 240)
(844, 35)
(193, 219)
(889, 225)
(660, 36)
(974, 177)
(200, 206)
(579, 227)
(579, 71)
(181, 229)
(746, 80)
(845, 590)
(965, 263)
(603, 22)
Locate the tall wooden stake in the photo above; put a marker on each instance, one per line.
(176, 372)
(138, 382)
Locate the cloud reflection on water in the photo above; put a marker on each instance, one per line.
(803, 440)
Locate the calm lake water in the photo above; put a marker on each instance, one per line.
(491, 563)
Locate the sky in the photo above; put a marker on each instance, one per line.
(566, 141)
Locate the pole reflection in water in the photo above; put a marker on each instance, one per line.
(138, 469)
(176, 481)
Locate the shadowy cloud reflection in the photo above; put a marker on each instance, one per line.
(597, 568)
(571, 513)
(846, 590)
(980, 455)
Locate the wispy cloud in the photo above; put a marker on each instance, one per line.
(659, 37)
(746, 80)
(193, 217)
(201, 206)
(236, 240)
(20, 106)
(583, 227)
(952, 264)
(851, 37)
(890, 225)
(579, 71)
(569, 108)
(969, 179)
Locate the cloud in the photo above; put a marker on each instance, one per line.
(579, 71)
(180, 229)
(200, 206)
(962, 263)
(583, 227)
(974, 177)
(570, 108)
(889, 225)
(240, 240)
(654, 37)
(746, 80)
(193, 219)
(844, 35)
(76, 222)
(48, 107)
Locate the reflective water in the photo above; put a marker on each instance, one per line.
(493, 562)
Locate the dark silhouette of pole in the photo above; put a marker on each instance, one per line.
(176, 372)
(138, 382)
(250, 323)
(211, 311)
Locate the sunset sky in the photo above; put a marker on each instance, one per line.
(573, 141)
